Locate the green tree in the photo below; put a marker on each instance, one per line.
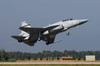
(41, 58)
(3, 54)
(35, 58)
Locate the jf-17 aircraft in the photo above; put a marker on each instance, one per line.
(30, 35)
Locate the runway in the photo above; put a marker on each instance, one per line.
(49, 62)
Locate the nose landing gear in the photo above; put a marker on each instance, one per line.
(67, 33)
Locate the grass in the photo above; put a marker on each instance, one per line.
(50, 61)
(9, 60)
(49, 65)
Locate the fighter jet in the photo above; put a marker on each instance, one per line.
(30, 35)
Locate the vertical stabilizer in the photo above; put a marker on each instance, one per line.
(23, 33)
(24, 24)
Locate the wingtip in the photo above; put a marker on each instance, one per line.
(20, 27)
(13, 36)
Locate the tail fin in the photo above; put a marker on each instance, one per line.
(23, 33)
(24, 24)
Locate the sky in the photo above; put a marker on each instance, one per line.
(40, 13)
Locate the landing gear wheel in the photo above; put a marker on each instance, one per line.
(47, 43)
(68, 33)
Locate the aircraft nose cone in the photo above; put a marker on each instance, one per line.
(84, 20)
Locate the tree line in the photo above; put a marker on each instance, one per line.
(4, 55)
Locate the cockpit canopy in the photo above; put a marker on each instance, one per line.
(67, 20)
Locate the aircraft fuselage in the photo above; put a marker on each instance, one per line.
(30, 35)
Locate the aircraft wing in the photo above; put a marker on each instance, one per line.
(35, 30)
(31, 30)
(51, 27)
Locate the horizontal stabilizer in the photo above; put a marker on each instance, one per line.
(18, 37)
(31, 43)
